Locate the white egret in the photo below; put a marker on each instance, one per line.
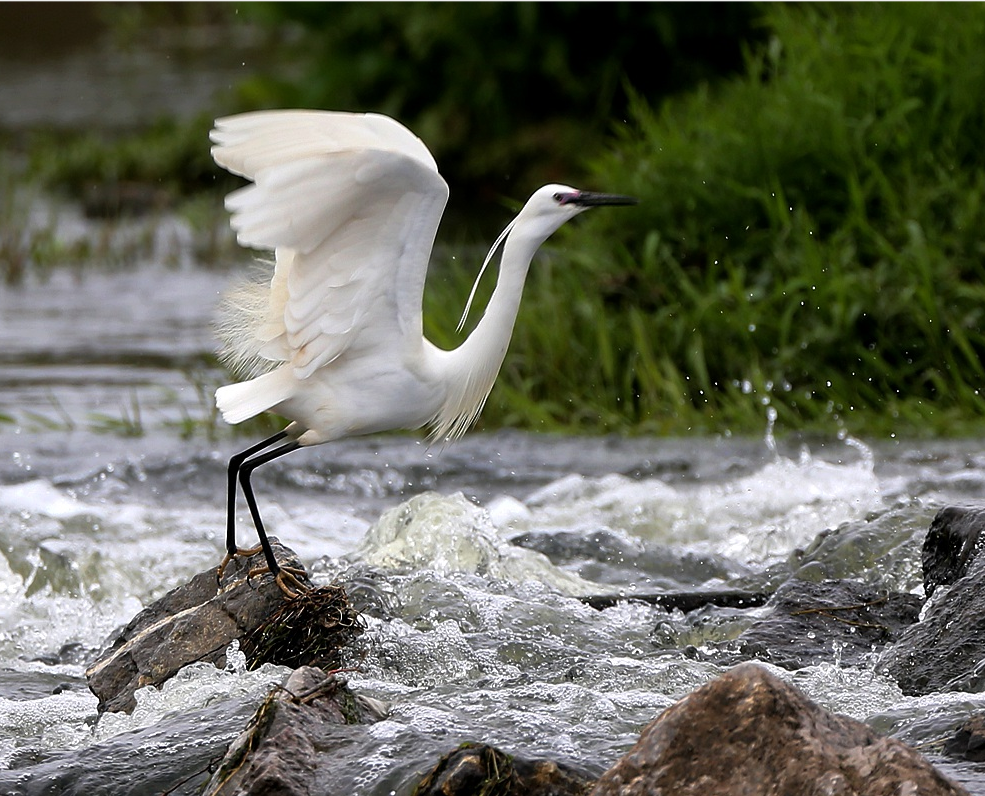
(350, 204)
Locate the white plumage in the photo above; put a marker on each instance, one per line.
(333, 339)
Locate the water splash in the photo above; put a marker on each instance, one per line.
(475, 633)
(755, 519)
(451, 534)
(195, 686)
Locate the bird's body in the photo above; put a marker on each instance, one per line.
(350, 205)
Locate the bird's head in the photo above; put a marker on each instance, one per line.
(550, 206)
(545, 211)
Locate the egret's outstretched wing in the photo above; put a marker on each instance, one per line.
(249, 142)
(350, 204)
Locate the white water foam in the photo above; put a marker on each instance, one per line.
(756, 519)
(54, 722)
(194, 686)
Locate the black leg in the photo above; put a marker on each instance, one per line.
(234, 464)
(245, 469)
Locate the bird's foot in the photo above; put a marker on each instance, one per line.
(287, 579)
(246, 552)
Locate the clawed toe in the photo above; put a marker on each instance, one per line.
(287, 579)
(246, 552)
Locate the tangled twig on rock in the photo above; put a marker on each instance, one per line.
(307, 630)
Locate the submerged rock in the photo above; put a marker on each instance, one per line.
(884, 543)
(404, 539)
(200, 619)
(480, 769)
(750, 733)
(607, 556)
(291, 738)
(682, 600)
(968, 741)
(839, 621)
(174, 756)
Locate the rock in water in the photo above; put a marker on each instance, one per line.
(750, 733)
(289, 737)
(835, 620)
(481, 769)
(943, 651)
(968, 741)
(200, 619)
(952, 543)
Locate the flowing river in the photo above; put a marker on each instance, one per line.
(467, 561)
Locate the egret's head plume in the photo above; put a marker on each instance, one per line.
(475, 284)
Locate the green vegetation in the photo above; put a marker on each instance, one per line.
(810, 236)
(171, 156)
(507, 95)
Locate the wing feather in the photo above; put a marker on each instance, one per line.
(249, 142)
(350, 205)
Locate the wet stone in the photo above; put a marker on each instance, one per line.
(683, 600)
(196, 621)
(608, 557)
(18, 686)
(968, 742)
(750, 733)
(482, 769)
(952, 544)
(291, 737)
(174, 756)
(72, 654)
(842, 621)
(943, 652)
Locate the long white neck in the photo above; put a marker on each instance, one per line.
(491, 336)
(470, 370)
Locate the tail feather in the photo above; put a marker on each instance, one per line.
(239, 402)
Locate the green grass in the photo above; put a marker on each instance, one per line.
(809, 236)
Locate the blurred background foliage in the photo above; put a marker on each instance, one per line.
(507, 95)
(809, 233)
(811, 176)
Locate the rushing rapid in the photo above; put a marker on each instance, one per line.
(467, 564)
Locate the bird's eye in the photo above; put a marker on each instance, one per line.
(559, 197)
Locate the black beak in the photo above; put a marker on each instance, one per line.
(592, 199)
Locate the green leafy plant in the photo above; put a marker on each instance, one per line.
(808, 236)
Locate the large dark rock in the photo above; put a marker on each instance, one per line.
(943, 652)
(952, 543)
(291, 738)
(748, 733)
(481, 769)
(196, 621)
(839, 621)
